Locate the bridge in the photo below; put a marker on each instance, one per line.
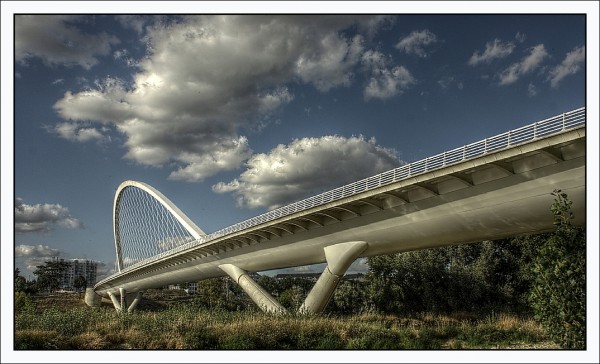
(495, 188)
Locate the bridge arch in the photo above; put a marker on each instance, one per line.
(151, 205)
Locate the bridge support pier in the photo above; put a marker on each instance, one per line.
(91, 298)
(115, 302)
(262, 298)
(136, 300)
(339, 257)
(121, 303)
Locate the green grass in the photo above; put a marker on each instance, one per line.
(187, 326)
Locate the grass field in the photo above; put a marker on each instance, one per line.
(64, 322)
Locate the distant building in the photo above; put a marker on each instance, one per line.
(78, 267)
(315, 276)
(188, 287)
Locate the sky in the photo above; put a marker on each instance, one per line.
(230, 116)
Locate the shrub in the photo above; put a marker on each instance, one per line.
(558, 295)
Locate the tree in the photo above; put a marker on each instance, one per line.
(20, 281)
(49, 274)
(79, 283)
(475, 277)
(558, 294)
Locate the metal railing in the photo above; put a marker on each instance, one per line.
(555, 125)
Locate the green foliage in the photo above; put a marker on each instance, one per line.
(558, 294)
(478, 277)
(23, 303)
(79, 283)
(219, 294)
(20, 281)
(48, 275)
(189, 326)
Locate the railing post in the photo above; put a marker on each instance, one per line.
(444, 160)
(485, 146)
(564, 121)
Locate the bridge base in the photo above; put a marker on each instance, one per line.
(339, 257)
(121, 303)
(262, 298)
(91, 298)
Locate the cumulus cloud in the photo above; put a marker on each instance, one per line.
(384, 82)
(35, 251)
(77, 132)
(569, 66)
(35, 255)
(54, 41)
(495, 49)
(206, 79)
(42, 217)
(416, 42)
(529, 63)
(306, 167)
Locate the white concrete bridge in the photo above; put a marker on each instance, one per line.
(495, 188)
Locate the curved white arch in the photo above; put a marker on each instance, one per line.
(185, 221)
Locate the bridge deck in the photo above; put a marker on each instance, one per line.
(473, 192)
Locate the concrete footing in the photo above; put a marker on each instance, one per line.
(91, 298)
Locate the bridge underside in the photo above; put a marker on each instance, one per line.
(496, 196)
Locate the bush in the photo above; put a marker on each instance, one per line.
(558, 295)
(23, 303)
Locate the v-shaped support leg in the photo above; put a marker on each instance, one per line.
(121, 304)
(339, 257)
(262, 298)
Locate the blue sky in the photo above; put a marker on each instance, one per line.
(230, 116)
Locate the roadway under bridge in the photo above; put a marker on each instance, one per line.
(496, 188)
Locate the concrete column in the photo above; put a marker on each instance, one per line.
(136, 300)
(123, 298)
(115, 301)
(262, 298)
(339, 257)
(91, 298)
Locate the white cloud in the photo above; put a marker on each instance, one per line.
(35, 251)
(532, 90)
(207, 78)
(75, 132)
(42, 217)
(520, 37)
(306, 167)
(529, 63)
(52, 39)
(495, 49)
(569, 66)
(416, 41)
(139, 23)
(383, 82)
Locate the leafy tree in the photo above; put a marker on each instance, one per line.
(20, 281)
(49, 274)
(470, 277)
(350, 297)
(79, 283)
(219, 293)
(558, 294)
